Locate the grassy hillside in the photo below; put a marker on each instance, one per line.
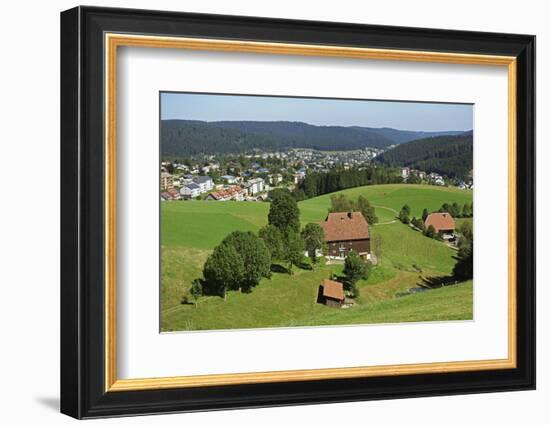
(389, 199)
(190, 230)
(269, 306)
(203, 224)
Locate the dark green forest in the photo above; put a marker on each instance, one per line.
(183, 137)
(316, 184)
(448, 155)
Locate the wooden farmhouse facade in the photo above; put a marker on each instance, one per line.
(346, 232)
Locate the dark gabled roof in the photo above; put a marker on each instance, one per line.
(345, 226)
(192, 186)
(202, 179)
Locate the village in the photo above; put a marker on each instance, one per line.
(252, 177)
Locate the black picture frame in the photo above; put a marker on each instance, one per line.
(82, 219)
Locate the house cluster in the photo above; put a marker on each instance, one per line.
(433, 178)
(406, 172)
(193, 169)
(191, 186)
(436, 179)
(322, 161)
(465, 185)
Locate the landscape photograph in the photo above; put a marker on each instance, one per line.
(280, 212)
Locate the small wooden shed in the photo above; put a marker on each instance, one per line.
(333, 293)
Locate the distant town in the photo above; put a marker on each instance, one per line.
(250, 177)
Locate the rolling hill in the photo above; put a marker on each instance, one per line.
(186, 137)
(451, 155)
(190, 230)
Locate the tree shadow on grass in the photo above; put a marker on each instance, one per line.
(320, 298)
(277, 268)
(305, 266)
(185, 301)
(433, 282)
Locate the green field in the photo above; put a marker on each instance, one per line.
(191, 229)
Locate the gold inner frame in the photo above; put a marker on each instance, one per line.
(113, 41)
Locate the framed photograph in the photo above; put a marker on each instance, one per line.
(261, 212)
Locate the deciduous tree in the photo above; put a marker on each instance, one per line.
(294, 250)
(363, 205)
(430, 231)
(404, 214)
(314, 239)
(223, 270)
(464, 268)
(355, 268)
(425, 214)
(255, 257)
(273, 240)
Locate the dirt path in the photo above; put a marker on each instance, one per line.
(389, 209)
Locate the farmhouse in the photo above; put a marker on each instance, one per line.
(345, 232)
(443, 223)
(333, 293)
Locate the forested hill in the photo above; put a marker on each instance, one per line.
(185, 137)
(450, 155)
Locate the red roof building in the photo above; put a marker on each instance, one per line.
(233, 192)
(333, 293)
(346, 232)
(442, 222)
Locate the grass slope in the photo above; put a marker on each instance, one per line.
(390, 198)
(204, 224)
(190, 230)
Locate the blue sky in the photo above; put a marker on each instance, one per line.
(368, 113)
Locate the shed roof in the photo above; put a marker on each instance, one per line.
(333, 289)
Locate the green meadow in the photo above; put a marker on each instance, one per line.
(191, 229)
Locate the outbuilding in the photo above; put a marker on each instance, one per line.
(333, 293)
